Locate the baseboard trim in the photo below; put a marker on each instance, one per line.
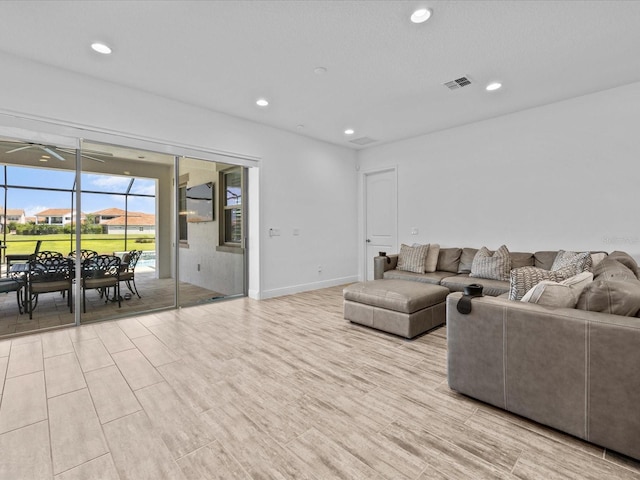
(305, 287)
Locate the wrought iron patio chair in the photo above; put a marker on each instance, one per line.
(101, 273)
(84, 254)
(128, 270)
(52, 273)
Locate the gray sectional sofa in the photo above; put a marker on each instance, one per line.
(573, 369)
(454, 267)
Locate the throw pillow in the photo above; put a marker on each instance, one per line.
(619, 297)
(627, 260)
(466, 259)
(581, 260)
(431, 263)
(449, 260)
(597, 257)
(411, 259)
(524, 279)
(492, 265)
(611, 269)
(559, 294)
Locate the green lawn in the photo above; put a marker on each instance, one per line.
(101, 243)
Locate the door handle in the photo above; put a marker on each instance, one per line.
(368, 240)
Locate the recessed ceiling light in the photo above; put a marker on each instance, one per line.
(101, 48)
(261, 102)
(421, 15)
(44, 159)
(349, 131)
(319, 70)
(493, 86)
(46, 156)
(126, 172)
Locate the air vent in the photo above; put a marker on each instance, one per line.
(363, 141)
(457, 83)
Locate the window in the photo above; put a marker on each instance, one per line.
(182, 215)
(231, 205)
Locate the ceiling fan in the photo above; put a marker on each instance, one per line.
(51, 150)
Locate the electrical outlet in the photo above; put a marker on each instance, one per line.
(414, 231)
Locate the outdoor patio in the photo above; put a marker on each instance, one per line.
(52, 309)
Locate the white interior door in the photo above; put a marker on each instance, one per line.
(381, 202)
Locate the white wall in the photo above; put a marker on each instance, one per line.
(303, 182)
(564, 175)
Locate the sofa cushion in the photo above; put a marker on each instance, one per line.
(491, 288)
(492, 265)
(522, 259)
(431, 263)
(544, 259)
(466, 260)
(432, 278)
(564, 294)
(619, 297)
(627, 260)
(581, 260)
(524, 279)
(612, 269)
(412, 259)
(449, 259)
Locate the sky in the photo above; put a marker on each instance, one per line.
(33, 201)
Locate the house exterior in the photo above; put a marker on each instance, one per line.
(12, 215)
(136, 223)
(101, 216)
(57, 216)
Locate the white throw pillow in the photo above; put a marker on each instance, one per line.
(597, 257)
(559, 294)
(432, 258)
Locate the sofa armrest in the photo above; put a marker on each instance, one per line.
(573, 370)
(382, 264)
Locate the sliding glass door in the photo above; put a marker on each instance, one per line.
(37, 222)
(102, 232)
(211, 262)
(127, 199)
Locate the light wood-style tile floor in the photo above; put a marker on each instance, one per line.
(277, 389)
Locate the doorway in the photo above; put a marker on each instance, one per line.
(381, 212)
(131, 205)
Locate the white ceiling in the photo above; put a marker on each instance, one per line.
(384, 74)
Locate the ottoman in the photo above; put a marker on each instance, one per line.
(400, 307)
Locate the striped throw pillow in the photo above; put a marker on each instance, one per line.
(524, 279)
(412, 259)
(492, 265)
